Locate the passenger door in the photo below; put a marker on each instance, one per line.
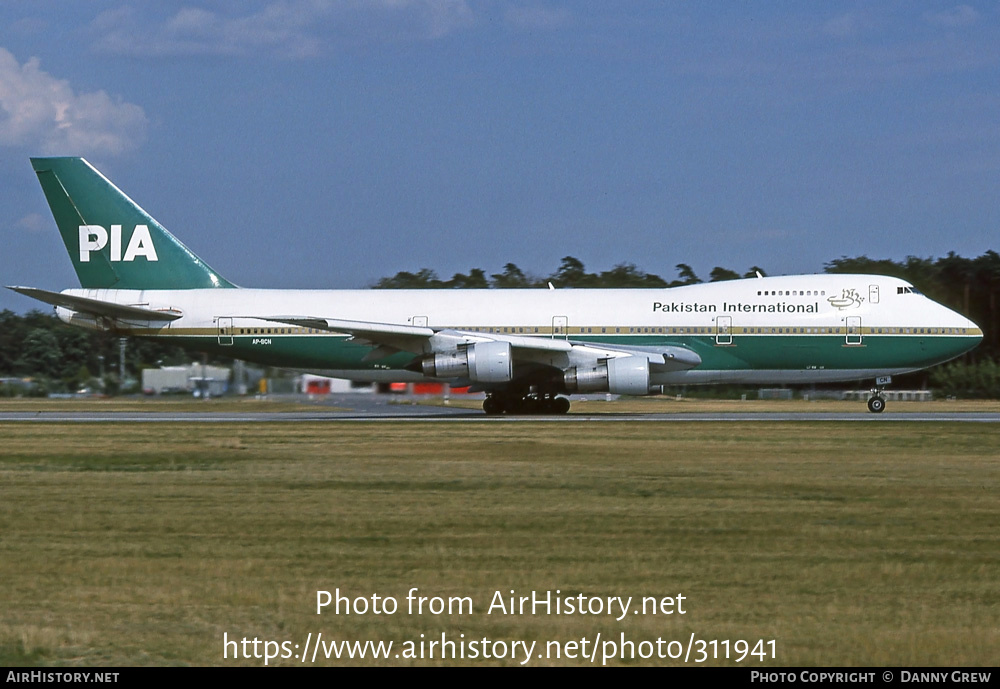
(225, 326)
(853, 330)
(724, 330)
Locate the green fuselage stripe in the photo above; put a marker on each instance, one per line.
(744, 352)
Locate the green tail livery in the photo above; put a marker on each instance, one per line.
(527, 349)
(113, 243)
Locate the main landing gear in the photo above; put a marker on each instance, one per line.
(876, 403)
(533, 403)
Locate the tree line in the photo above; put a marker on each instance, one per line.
(570, 274)
(63, 359)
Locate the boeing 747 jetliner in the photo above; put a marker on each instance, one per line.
(528, 349)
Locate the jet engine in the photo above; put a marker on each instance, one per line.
(482, 362)
(627, 375)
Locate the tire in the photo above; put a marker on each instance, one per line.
(876, 405)
(492, 406)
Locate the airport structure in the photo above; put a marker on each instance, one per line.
(193, 378)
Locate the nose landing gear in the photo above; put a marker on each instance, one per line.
(876, 403)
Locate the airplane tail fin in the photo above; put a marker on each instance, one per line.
(112, 242)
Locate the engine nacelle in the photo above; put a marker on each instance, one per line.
(482, 362)
(627, 375)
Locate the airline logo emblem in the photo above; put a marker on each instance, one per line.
(847, 299)
(95, 238)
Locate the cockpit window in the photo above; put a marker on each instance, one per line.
(908, 290)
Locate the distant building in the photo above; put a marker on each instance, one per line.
(18, 385)
(322, 385)
(194, 378)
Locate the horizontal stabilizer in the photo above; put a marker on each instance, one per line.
(96, 307)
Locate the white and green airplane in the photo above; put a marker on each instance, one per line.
(526, 348)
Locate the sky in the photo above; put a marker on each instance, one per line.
(329, 143)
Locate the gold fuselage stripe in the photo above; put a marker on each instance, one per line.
(707, 331)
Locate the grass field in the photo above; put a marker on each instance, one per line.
(157, 404)
(142, 544)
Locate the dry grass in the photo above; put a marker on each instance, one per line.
(159, 404)
(143, 544)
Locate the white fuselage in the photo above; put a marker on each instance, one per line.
(779, 329)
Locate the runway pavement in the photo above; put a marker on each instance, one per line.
(383, 409)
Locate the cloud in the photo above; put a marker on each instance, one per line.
(41, 112)
(287, 28)
(32, 222)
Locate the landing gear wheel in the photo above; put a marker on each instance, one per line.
(498, 404)
(876, 405)
(492, 406)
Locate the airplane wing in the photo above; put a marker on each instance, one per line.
(391, 338)
(662, 358)
(96, 307)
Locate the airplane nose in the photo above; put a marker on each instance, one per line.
(961, 334)
(974, 335)
(979, 334)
